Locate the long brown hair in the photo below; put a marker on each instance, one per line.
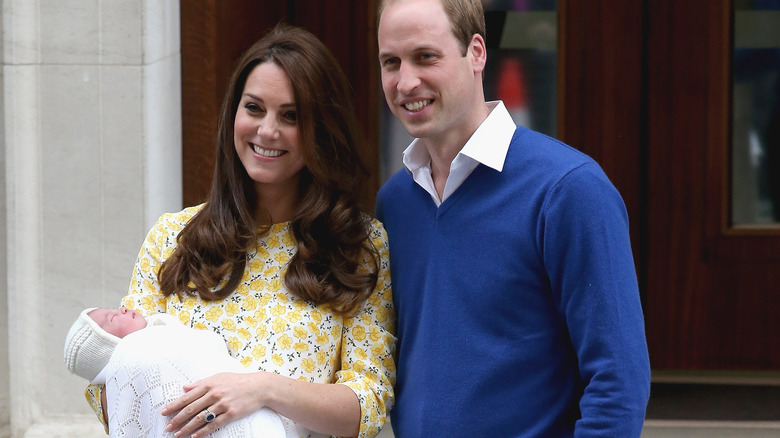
(331, 231)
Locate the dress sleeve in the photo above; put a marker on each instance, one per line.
(144, 294)
(368, 347)
(93, 393)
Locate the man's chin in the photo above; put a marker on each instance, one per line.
(416, 130)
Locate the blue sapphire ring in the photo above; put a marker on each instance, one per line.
(208, 415)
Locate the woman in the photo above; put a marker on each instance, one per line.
(280, 260)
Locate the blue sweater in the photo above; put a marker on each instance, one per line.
(517, 301)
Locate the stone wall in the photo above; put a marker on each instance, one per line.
(91, 134)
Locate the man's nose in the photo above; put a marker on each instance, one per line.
(408, 79)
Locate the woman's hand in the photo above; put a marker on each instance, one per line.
(229, 396)
(327, 408)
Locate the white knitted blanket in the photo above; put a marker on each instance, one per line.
(149, 368)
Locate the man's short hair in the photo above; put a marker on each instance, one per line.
(467, 18)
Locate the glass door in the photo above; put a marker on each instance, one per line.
(755, 157)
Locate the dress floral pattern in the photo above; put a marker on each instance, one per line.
(269, 329)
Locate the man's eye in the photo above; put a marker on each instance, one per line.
(389, 62)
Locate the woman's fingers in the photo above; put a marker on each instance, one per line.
(226, 396)
(202, 424)
(185, 408)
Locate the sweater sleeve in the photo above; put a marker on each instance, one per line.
(368, 348)
(587, 254)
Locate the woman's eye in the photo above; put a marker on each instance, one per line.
(252, 107)
(291, 116)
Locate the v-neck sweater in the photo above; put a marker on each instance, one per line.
(517, 301)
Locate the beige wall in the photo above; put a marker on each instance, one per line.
(5, 416)
(91, 134)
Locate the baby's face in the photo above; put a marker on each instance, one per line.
(118, 322)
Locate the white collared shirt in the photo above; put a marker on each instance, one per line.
(488, 145)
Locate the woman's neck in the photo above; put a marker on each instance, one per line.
(275, 206)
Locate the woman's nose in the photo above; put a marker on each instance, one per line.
(267, 128)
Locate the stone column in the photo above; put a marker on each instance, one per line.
(92, 152)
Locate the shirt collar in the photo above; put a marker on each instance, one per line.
(490, 142)
(488, 145)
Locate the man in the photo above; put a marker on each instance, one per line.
(513, 277)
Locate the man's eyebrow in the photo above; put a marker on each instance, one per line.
(414, 50)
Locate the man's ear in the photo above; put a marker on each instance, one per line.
(478, 53)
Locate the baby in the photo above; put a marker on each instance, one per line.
(145, 362)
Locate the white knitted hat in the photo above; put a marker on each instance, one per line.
(88, 347)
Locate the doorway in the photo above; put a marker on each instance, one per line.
(646, 89)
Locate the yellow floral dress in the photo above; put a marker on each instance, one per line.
(269, 329)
